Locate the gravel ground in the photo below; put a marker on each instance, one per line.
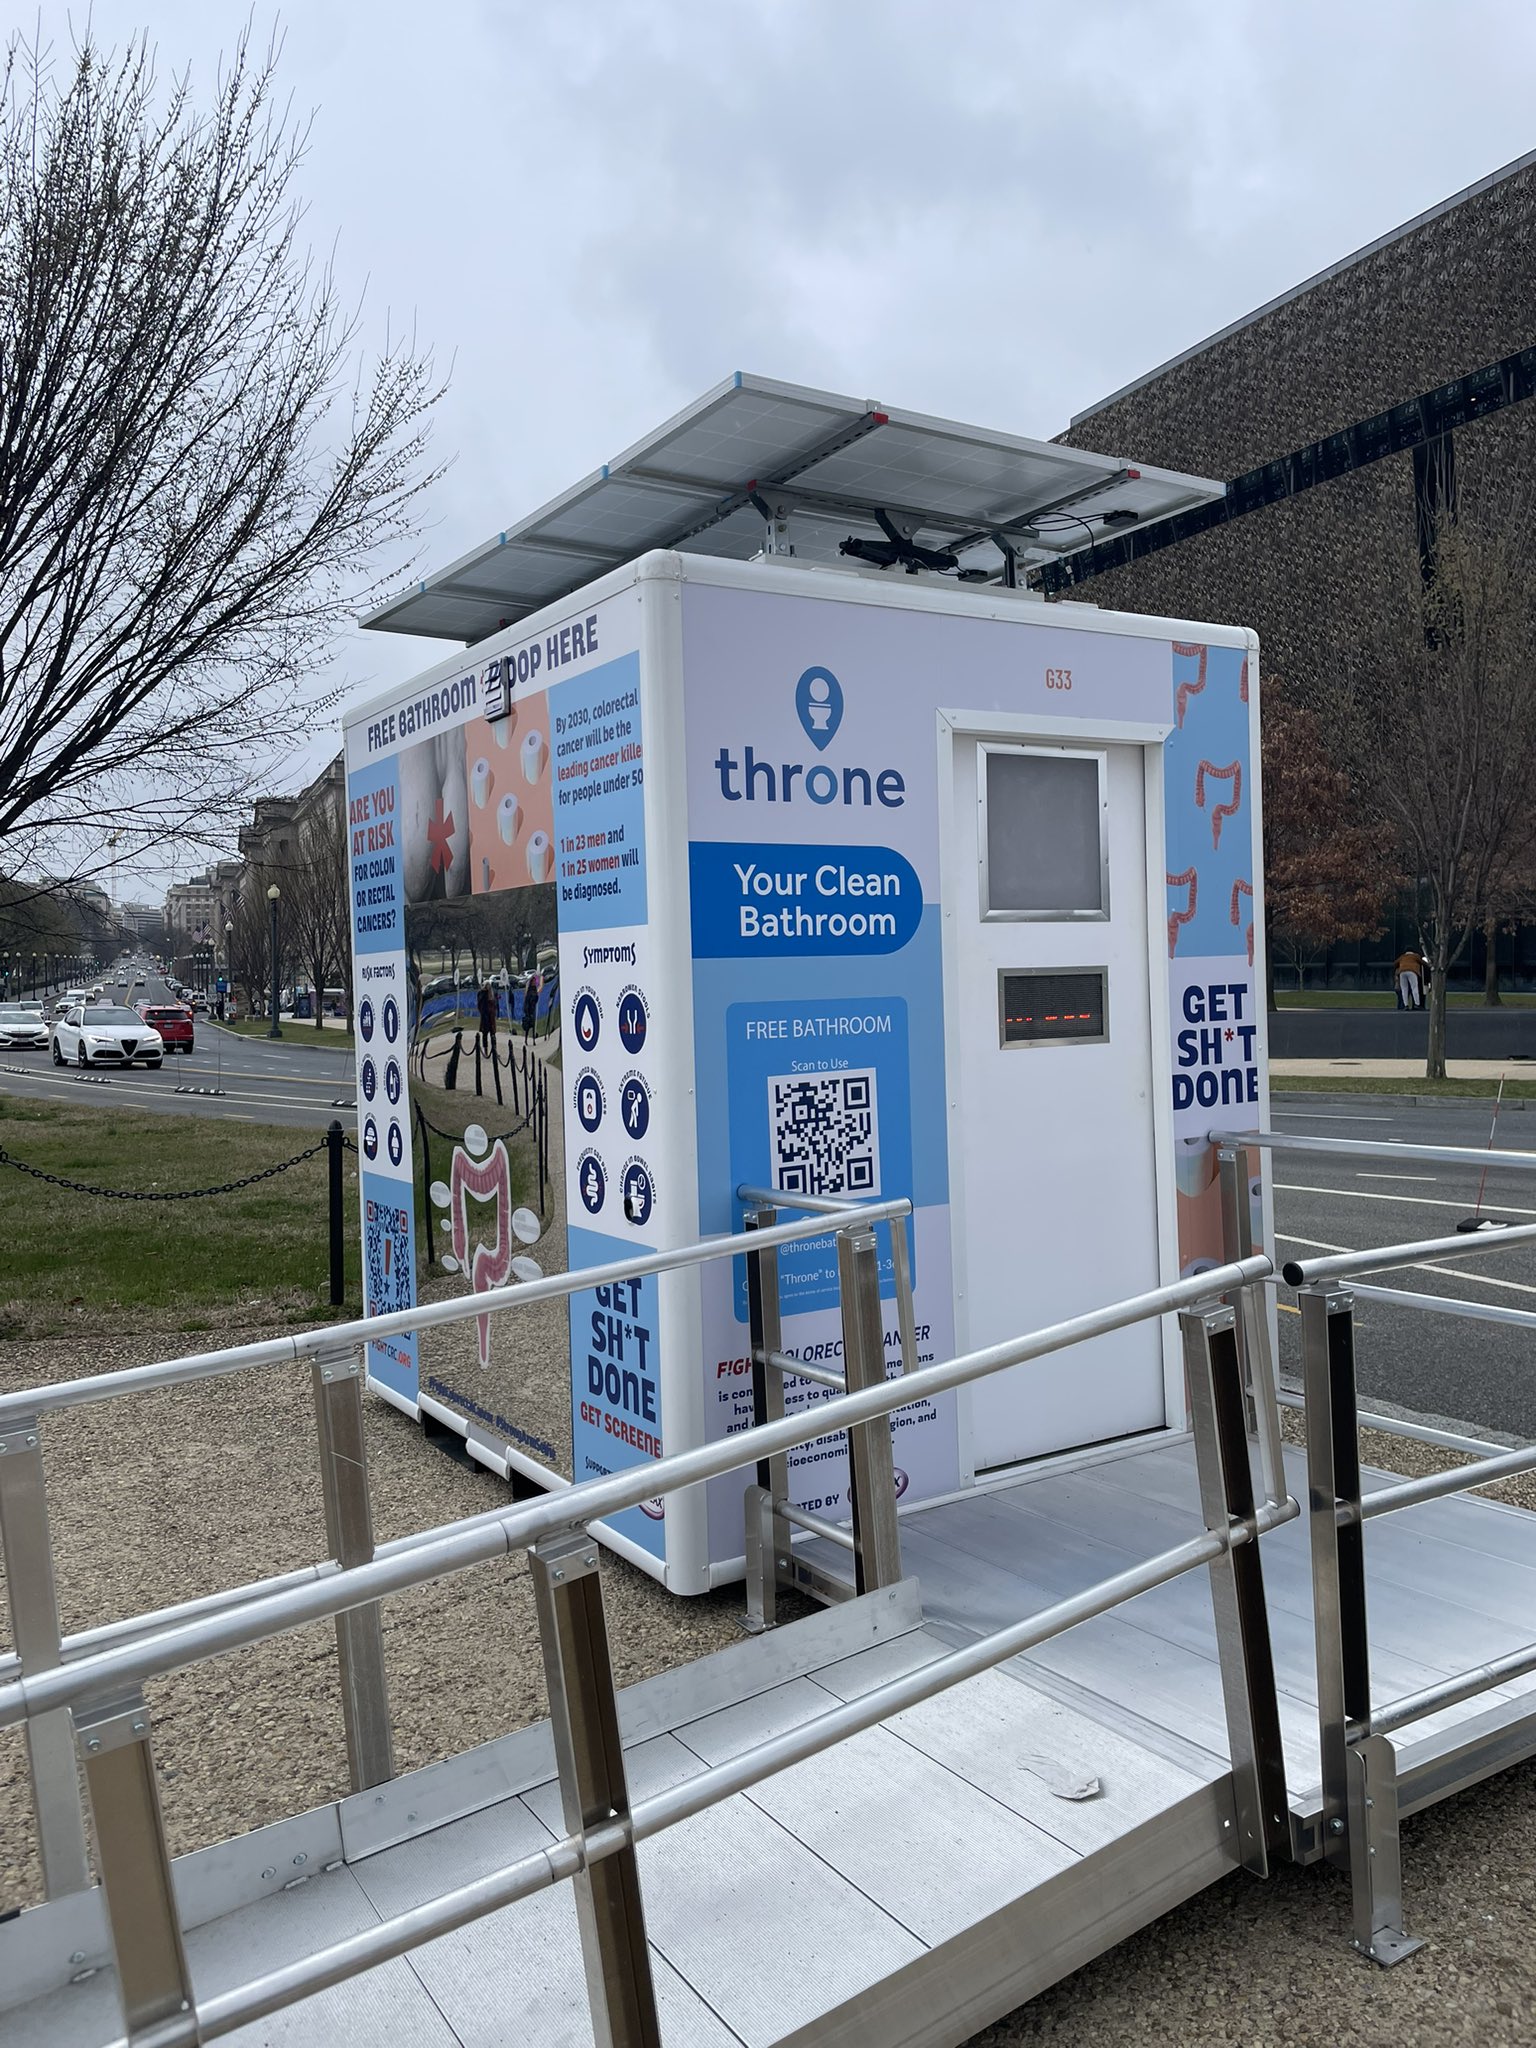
(160, 1497)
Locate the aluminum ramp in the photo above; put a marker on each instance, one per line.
(908, 1886)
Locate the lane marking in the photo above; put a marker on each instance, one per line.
(1423, 1266)
(164, 1098)
(1431, 1179)
(1372, 1195)
(1334, 1116)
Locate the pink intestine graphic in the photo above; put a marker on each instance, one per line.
(490, 1179)
(1189, 880)
(1239, 890)
(1188, 690)
(1220, 811)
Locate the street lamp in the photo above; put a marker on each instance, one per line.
(274, 1030)
(229, 969)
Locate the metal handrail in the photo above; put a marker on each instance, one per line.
(1376, 1148)
(499, 1532)
(335, 1337)
(649, 1817)
(1385, 1258)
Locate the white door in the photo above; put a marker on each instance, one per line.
(1052, 1150)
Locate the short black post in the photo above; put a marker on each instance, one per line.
(496, 1069)
(333, 1143)
(477, 1065)
(451, 1071)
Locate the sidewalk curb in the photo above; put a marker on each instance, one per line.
(1510, 1107)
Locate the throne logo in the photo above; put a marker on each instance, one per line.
(819, 704)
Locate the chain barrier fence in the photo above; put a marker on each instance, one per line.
(335, 1143)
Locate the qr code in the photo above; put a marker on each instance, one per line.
(387, 1249)
(825, 1133)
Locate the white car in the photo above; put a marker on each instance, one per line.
(105, 1034)
(22, 1024)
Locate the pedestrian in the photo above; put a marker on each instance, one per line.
(1410, 988)
(531, 989)
(486, 1005)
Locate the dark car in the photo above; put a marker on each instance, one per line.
(173, 1023)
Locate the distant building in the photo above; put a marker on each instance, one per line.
(196, 910)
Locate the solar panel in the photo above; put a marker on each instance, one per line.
(848, 476)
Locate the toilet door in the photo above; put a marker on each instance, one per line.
(1053, 1163)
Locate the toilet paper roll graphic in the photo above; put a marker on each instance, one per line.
(533, 755)
(538, 857)
(481, 783)
(1195, 1165)
(508, 813)
(504, 729)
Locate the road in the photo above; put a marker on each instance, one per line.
(264, 1080)
(1475, 1377)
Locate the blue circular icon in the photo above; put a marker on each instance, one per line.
(591, 1181)
(632, 1019)
(635, 1106)
(589, 1099)
(365, 1018)
(638, 1192)
(391, 1019)
(586, 1020)
(392, 1081)
(371, 1139)
(370, 1079)
(396, 1143)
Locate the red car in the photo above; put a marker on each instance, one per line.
(173, 1023)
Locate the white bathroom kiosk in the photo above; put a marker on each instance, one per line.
(874, 874)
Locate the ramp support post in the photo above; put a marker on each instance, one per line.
(594, 1793)
(767, 1532)
(152, 1975)
(1237, 1586)
(338, 1385)
(871, 1461)
(28, 1554)
(1360, 1814)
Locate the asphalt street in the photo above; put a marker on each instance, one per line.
(1475, 1377)
(273, 1081)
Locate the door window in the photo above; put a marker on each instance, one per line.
(1044, 852)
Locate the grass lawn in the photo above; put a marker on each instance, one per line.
(299, 1032)
(1385, 999)
(67, 1252)
(1398, 1084)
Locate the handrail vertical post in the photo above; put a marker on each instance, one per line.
(767, 1533)
(338, 1387)
(27, 1551)
(1359, 1816)
(871, 1459)
(1237, 1586)
(1254, 1348)
(901, 1271)
(153, 1980)
(594, 1792)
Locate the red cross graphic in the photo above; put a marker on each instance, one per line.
(439, 833)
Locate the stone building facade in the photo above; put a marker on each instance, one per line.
(1439, 298)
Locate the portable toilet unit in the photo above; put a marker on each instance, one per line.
(873, 874)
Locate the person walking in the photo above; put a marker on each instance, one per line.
(531, 989)
(1410, 987)
(485, 1003)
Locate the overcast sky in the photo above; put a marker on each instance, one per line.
(998, 213)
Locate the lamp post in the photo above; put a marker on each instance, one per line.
(274, 1030)
(229, 969)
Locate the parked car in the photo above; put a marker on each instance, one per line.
(173, 1023)
(105, 1034)
(22, 1025)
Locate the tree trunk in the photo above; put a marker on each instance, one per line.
(1434, 996)
(1491, 997)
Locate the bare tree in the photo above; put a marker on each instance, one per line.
(1439, 718)
(196, 474)
(315, 906)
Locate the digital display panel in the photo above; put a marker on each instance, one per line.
(1052, 1006)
